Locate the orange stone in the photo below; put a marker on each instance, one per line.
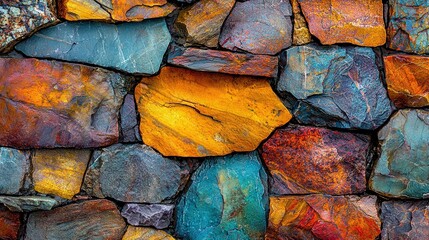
(139, 233)
(301, 34)
(9, 224)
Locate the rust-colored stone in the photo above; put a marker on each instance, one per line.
(9, 224)
(301, 34)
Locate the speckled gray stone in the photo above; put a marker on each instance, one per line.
(14, 165)
(148, 215)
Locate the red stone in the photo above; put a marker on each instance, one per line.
(9, 224)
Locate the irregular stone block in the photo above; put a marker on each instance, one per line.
(14, 166)
(134, 173)
(200, 23)
(53, 104)
(306, 160)
(405, 220)
(407, 80)
(301, 34)
(95, 219)
(335, 86)
(141, 233)
(129, 123)
(130, 47)
(258, 26)
(21, 18)
(342, 21)
(28, 203)
(226, 200)
(190, 113)
(156, 215)
(224, 61)
(323, 217)
(9, 224)
(402, 169)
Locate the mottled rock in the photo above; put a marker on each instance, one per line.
(323, 217)
(190, 113)
(405, 220)
(408, 26)
(94, 219)
(9, 224)
(306, 160)
(224, 62)
(402, 168)
(407, 80)
(200, 23)
(335, 86)
(156, 215)
(134, 173)
(129, 121)
(21, 18)
(28, 203)
(131, 47)
(301, 34)
(14, 166)
(53, 104)
(226, 200)
(141, 233)
(258, 26)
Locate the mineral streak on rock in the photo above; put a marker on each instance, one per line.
(306, 160)
(301, 34)
(28, 203)
(402, 169)
(14, 166)
(190, 113)
(156, 215)
(224, 62)
(143, 233)
(129, 121)
(407, 80)
(323, 217)
(131, 47)
(9, 224)
(47, 104)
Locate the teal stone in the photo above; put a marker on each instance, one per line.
(14, 166)
(402, 171)
(28, 203)
(131, 47)
(226, 200)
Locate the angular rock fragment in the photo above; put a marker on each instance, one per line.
(323, 217)
(301, 33)
(226, 200)
(94, 219)
(407, 79)
(130, 47)
(224, 62)
(129, 121)
(142, 233)
(156, 215)
(402, 169)
(335, 86)
(28, 203)
(53, 104)
(134, 173)
(14, 166)
(9, 224)
(306, 160)
(258, 26)
(19, 19)
(189, 113)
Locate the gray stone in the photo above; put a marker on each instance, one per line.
(156, 215)
(28, 203)
(129, 123)
(14, 165)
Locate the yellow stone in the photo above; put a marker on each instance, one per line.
(195, 114)
(142, 233)
(59, 171)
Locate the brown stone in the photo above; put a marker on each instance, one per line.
(301, 34)
(9, 224)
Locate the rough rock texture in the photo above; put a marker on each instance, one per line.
(323, 217)
(141, 233)
(335, 86)
(224, 61)
(226, 200)
(28, 203)
(156, 215)
(301, 33)
(200, 23)
(316, 160)
(20, 18)
(129, 121)
(189, 113)
(402, 169)
(130, 47)
(258, 26)
(134, 173)
(343, 21)
(94, 219)
(408, 26)
(14, 166)
(51, 104)
(113, 10)
(405, 220)
(407, 79)
(59, 171)
(9, 224)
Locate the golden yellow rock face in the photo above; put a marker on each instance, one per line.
(195, 114)
(301, 34)
(60, 171)
(142, 233)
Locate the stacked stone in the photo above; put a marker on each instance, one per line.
(209, 119)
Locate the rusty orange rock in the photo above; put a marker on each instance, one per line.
(9, 224)
(190, 113)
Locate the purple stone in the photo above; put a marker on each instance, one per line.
(156, 215)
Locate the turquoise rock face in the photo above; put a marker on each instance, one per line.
(402, 169)
(131, 47)
(14, 165)
(226, 200)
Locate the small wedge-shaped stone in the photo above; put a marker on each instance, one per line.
(28, 203)
(402, 169)
(47, 104)
(156, 215)
(94, 219)
(129, 121)
(190, 113)
(142, 233)
(9, 224)
(407, 79)
(301, 33)
(14, 166)
(131, 47)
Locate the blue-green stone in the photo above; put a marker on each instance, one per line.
(14, 165)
